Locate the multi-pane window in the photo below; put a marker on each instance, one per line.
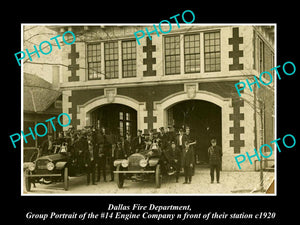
(111, 60)
(192, 53)
(261, 55)
(129, 58)
(94, 61)
(124, 123)
(212, 52)
(172, 55)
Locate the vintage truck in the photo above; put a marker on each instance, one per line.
(140, 166)
(49, 168)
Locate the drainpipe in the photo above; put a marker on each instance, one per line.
(255, 137)
(261, 141)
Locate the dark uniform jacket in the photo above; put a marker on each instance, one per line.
(163, 141)
(170, 136)
(90, 152)
(184, 139)
(45, 148)
(127, 148)
(118, 153)
(172, 154)
(100, 138)
(187, 157)
(215, 155)
(138, 144)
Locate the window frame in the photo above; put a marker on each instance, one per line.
(174, 55)
(89, 68)
(134, 74)
(210, 52)
(114, 60)
(190, 54)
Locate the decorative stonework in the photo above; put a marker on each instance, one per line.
(191, 90)
(149, 60)
(237, 129)
(110, 94)
(73, 67)
(236, 53)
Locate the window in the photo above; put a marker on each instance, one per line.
(212, 55)
(172, 55)
(111, 60)
(260, 55)
(129, 58)
(124, 123)
(58, 104)
(272, 64)
(192, 53)
(94, 61)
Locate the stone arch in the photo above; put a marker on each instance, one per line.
(83, 111)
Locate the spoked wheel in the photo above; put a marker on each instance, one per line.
(158, 176)
(119, 177)
(27, 181)
(66, 178)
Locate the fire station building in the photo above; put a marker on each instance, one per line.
(183, 78)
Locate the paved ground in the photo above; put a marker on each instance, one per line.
(230, 183)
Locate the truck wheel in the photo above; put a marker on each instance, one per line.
(119, 177)
(158, 176)
(27, 181)
(66, 179)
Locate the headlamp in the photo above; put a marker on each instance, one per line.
(124, 163)
(143, 162)
(31, 166)
(50, 166)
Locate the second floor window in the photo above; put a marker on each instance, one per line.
(111, 60)
(172, 55)
(129, 58)
(212, 52)
(260, 55)
(94, 61)
(192, 53)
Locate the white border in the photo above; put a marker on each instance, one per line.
(145, 24)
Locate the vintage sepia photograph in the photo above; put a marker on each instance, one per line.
(148, 109)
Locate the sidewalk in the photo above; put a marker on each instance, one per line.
(232, 183)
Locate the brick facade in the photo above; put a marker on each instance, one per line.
(151, 93)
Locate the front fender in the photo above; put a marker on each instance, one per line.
(60, 165)
(26, 165)
(153, 162)
(117, 162)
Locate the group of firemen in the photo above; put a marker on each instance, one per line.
(92, 149)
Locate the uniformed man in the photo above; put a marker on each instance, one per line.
(101, 164)
(191, 138)
(117, 152)
(170, 134)
(138, 143)
(47, 146)
(111, 158)
(163, 139)
(127, 145)
(80, 146)
(90, 158)
(215, 159)
(173, 155)
(188, 162)
(181, 139)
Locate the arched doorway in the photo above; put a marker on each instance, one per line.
(116, 118)
(204, 119)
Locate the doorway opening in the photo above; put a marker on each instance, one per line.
(204, 120)
(116, 118)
